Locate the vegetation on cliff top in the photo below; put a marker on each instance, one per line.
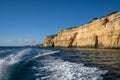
(105, 21)
(53, 35)
(94, 19)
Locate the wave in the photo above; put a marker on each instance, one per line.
(3, 51)
(49, 67)
(44, 53)
(16, 57)
(63, 70)
(10, 60)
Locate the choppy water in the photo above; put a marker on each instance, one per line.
(19, 63)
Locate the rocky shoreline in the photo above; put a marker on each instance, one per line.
(100, 33)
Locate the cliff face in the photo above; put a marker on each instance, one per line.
(100, 33)
(49, 41)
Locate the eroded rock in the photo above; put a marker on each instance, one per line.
(100, 33)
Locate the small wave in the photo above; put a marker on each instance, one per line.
(10, 60)
(46, 77)
(3, 51)
(44, 53)
(17, 57)
(47, 53)
(63, 70)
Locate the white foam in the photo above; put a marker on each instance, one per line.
(48, 53)
(11, 59)
(17, 57)
(63, 70)
(46, 77)
(44, 53)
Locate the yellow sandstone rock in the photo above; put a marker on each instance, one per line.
(100, 33)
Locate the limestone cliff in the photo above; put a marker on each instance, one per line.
(49, 41)
(100, 33)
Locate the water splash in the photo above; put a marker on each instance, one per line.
(63, 70)
(10, 60)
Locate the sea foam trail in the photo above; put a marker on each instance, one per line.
(10, 60)
(63, 70)
(45, 53)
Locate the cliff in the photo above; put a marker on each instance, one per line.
(100, 33)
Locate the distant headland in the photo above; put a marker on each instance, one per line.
(99, 33)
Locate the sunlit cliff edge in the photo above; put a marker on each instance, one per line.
(100, 33)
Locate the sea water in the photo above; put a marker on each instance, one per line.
(22, 63)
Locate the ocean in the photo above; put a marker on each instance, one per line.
(25, 63)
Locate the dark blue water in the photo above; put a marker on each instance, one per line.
(20, 63)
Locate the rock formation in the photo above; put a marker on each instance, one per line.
(100, 33)
(49, 41)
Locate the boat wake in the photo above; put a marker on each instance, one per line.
(48, 67)
(63, 70)
(10, 60)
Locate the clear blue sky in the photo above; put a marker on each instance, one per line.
(25, 22)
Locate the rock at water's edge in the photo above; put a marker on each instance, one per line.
(100, 33)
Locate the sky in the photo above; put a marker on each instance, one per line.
(28, 22)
